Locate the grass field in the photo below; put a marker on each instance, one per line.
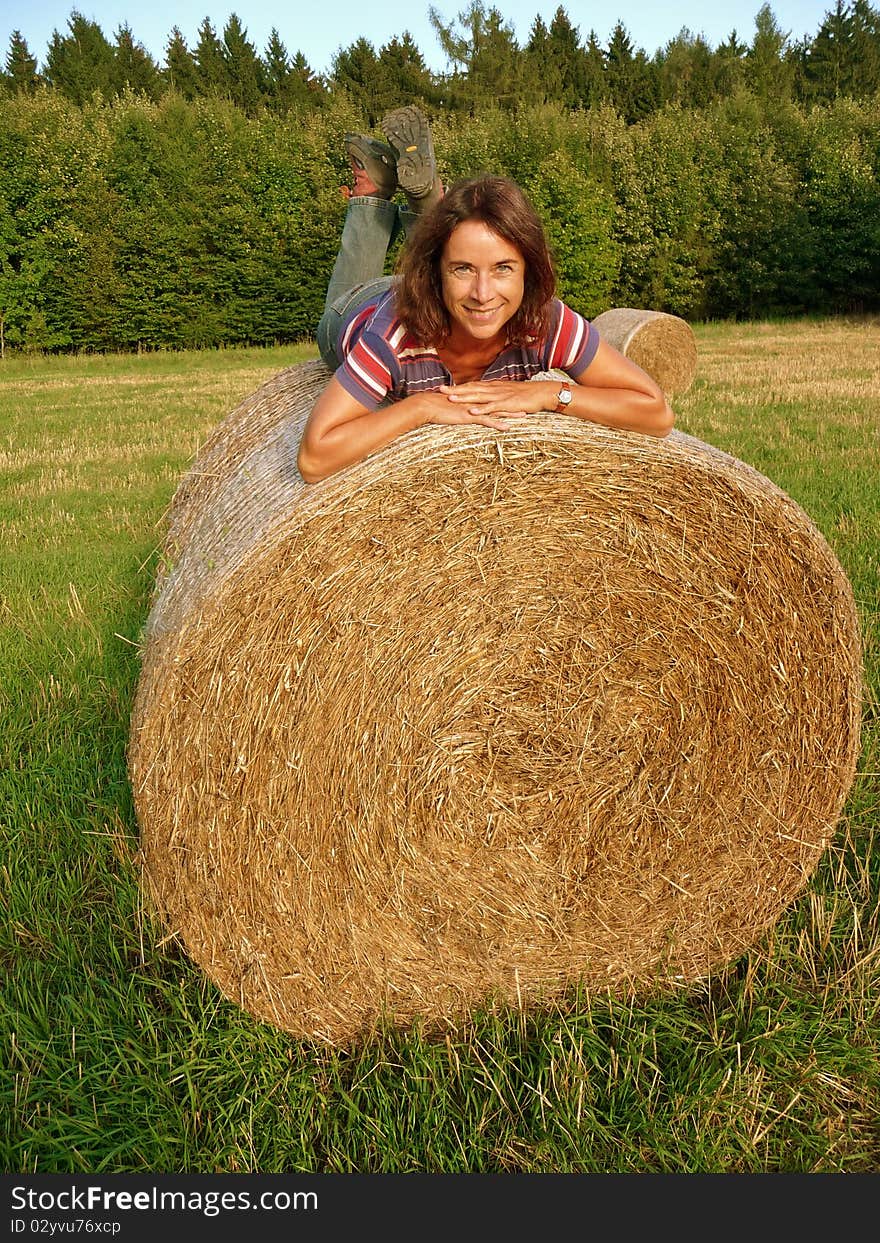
(122, 1057)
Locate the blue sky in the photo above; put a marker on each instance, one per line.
(318, 29)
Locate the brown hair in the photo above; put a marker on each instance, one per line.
(503, 207)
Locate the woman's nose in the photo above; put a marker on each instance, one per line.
(482, 286)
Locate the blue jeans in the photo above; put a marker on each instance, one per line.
(371, 225)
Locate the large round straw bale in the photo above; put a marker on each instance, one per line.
(487, 715)
(289, 395)
(663, 345)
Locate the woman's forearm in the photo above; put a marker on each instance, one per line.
(325, 449)
(340, 431)
(623, 408)
(634, 409)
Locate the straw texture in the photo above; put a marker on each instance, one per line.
(483, 716)
(661, 344)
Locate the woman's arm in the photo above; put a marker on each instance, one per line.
(612, 390)
(340, 431)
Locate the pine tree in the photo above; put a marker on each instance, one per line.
(729, 61)
(309, 85)
(769, 71)
(631, 80)
(595, 72)
(277, 67)
(135, 68)
(498, 67)
(355, 69)
(564, 45)
(81, 62)
(685, 73)
(288, 83)
(244, 68)
(181, 72)
(211, 72)
(488, 67)
(828, 62)
(865, 49)
(537, 46)
(543, 76)
(21, 68)
(403, 75)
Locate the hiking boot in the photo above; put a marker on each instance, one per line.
(409, 134)
(374, 166)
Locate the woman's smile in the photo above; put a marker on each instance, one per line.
(482, 313)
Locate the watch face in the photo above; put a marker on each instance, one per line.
(564, 396)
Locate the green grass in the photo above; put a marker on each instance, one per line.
(123, 1057)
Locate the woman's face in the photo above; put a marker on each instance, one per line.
(483, 280)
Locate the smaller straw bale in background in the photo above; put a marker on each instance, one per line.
(663, 345)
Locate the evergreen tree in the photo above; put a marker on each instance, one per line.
(769, 72)
(21, 68)
(310, 87)
(82, 61)
(543, 78)
(244, 69)
(828, 63)
(843, 58)
(278, 69)
(865, 49)
(288, 83)
(685, 71)
(355, 69)
(595, 73)
(181, 72)
(403, 75)
(211, 72)
(537, 46)
(488, 67)
(498, 67)
(632, 84)
(729, 60)
(135, 68)
(564, 46)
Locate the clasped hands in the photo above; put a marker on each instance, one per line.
(490, 403)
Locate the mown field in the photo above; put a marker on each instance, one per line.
(122, 1057)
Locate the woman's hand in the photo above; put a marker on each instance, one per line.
(510, 398)
(443, 405)
(340, 431)
(612, 391)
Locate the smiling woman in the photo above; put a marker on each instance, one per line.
(470, 318)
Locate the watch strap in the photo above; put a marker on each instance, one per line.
(562, 406)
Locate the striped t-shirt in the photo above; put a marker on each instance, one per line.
(380, 359)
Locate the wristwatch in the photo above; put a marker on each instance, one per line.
(563, 398)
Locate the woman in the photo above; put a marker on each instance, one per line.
(471, 316)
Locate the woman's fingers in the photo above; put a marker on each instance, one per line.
(468, 418)
(440, 409)
(504, 397)
(469, 392)
(497, 408)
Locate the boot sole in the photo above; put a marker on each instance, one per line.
(409, 133)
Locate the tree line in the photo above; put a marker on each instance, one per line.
(487, 65)
(134, 223)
